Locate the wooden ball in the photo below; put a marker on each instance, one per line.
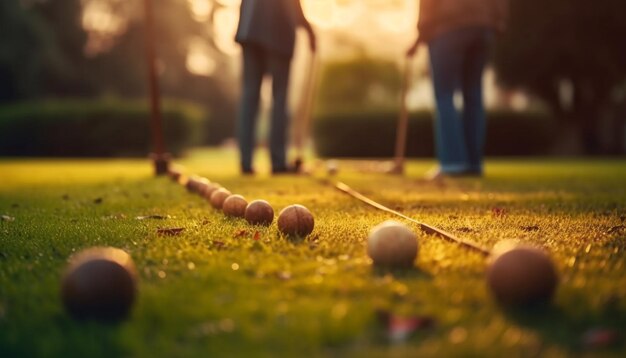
(99, 284)
(208, 189)
(522, 276)
(200, 184)
(192, 183)
(259, 212)
(392, 244)
(218, 197)
(296, 220)
(174, 174)
(235, 206)
(332, 167)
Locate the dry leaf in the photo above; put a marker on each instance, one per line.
(170, 231)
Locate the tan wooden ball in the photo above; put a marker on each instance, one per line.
(522, 276)
(235, 206)
(201, 183)
(392, 244)
(296, 220)
(99, 284)
(174, 174)
(192, 183)
(259, 212)
(218, 197)
(208, 189)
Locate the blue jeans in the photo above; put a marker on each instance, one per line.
(257, 62)
(458, 59)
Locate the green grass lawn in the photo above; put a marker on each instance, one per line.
(216, 291)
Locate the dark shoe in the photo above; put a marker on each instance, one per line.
(248, 172)
(285, 171)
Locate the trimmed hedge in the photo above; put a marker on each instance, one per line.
(94, 128)
(372, 134)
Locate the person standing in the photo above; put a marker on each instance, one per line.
(266, 33)
(459, 34)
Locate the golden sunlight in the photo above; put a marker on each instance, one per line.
(102, 25)
(394, 16)
(225, 22)
(199, 60)
(201, 9)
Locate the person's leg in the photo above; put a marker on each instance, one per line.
(253, 71)
(474, 122)
(279, 68)
(446, 67)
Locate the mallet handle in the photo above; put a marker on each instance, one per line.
(403, 120)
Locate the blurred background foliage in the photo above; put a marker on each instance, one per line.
(104, 127)
(566, 56)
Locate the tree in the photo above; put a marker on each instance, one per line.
(575, 42)
(23, 47)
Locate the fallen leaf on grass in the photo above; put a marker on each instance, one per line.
(155, 217)
(598, 338)
(6, 218)
(284, 275)
(218, 244)
(498, 212)
(98, 200)
(399, 329)
(240, 233)
(257, 236)
(615, 229)
(530, 228)
(170, 231)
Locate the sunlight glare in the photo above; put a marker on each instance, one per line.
(225, 22)
(201, 9)
(199, 60)
(229, 3)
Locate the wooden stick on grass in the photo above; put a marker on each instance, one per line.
(431, 230)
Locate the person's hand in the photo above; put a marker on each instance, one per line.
(413, 49)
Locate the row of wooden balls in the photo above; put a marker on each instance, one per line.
(101, 283)
(293, 221)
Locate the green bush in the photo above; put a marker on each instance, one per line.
(93, 128)
(372, 134)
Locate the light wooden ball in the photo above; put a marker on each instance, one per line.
(259, 212)
(192, 183)
(201, 183)
(218, 197)
(235, 206)
(296, 221)
(522, 276)
(99, 284)
(392, 244)
(208, 189)
(174, 174)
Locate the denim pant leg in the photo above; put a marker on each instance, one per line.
(446, 59)
(253, 71)
(474, 121)
(279, 68)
